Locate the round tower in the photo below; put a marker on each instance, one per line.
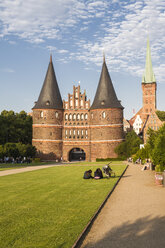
(106, 119)
(48, 118)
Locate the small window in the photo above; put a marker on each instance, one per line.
(92, 116)
(71, 103)
(82, 117)
(86, 116)
(74, 117)
(42, 114)
(56, 114)
(103, 115)
(47, 103)
(78, 117)
(70, 116)
(81, 102)
(66, 117)
(76, 103)
(86, 132)
(66, 105)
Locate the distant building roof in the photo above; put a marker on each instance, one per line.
(148, 76)
(50, 97)
(105, 95)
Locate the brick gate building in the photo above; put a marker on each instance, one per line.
(73, 129)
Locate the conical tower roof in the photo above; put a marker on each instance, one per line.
(50, 97)
(148, 76)
(105, 95)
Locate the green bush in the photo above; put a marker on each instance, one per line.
(36, 160)
(159, 168)
(109, 159)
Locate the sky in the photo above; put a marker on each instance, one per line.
(77, 33)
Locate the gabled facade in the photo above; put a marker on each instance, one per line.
(73, 129)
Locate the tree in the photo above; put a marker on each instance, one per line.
(15, 127)
(130, 146)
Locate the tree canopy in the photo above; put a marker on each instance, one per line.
(15, 127)
(161, 115)
(130, 146)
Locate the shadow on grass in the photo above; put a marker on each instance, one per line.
(143, 233)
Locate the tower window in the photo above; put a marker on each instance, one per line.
(56, 114)
(103, 115)
(42, 114)
(81, 102)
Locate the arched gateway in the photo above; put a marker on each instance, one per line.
(77, 154)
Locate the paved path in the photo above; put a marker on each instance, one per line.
(25, 169)
(134, 215)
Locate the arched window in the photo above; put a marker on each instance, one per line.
(56, 114)
(78, 117)
(74, 117)
(103, 115)
(66, 133)
(42, 114)
(86, 132)
(81, 102)
(82, 117)
(70, 116)
(86, 116)
(66, 117)
(76, 103)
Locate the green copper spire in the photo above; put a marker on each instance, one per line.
(148, 76)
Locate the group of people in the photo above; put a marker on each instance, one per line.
(98, 174)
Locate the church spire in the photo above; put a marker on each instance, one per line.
(105, 95)
(148, 76)
(50, 97)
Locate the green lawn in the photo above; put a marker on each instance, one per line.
(17, 166)
(49, 208)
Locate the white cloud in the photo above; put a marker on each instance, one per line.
(120, 28)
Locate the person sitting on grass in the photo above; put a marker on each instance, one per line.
(98, 174)
(88, 174)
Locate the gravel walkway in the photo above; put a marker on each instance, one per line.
(134, 215)
(25, 169)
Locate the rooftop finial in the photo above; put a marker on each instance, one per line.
(50, 58)
(103, 56)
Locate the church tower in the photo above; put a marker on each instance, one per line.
(48, 118)
(148, 85)
(106, 119)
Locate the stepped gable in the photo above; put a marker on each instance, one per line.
(50, 97)
(105, 95)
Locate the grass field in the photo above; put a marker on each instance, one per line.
(49, 208)
(17, 166)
